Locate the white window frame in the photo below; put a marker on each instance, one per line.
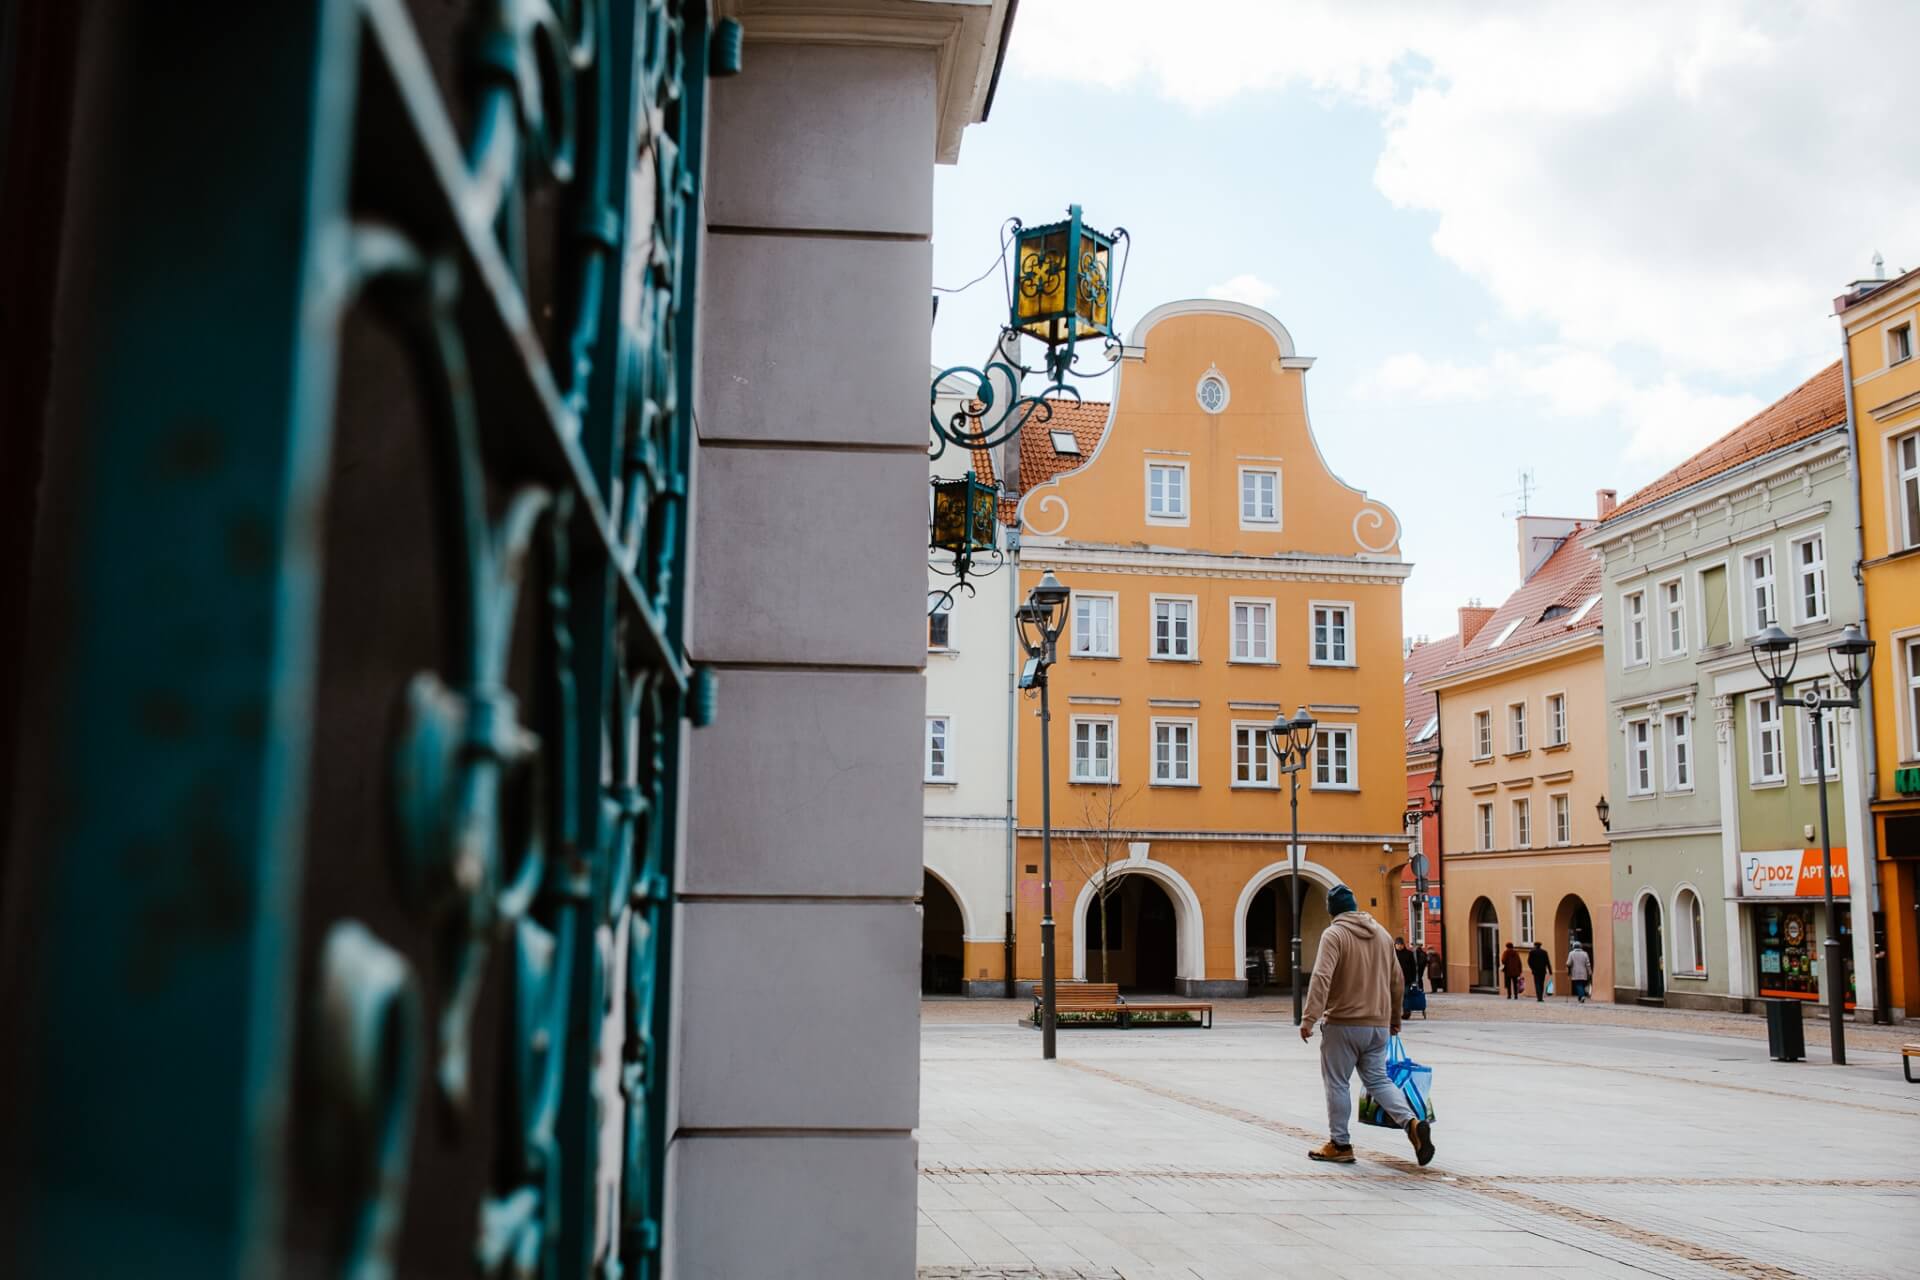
(945, 613)
(1173, 724)
(1260, 748)
(1816, 571)
(1673, 612)
(1261, 654)
(1483, 734)
(1559, 820)
(1906, 647)
(1258, 523)
(1113, 750)
(1182, 516)
(1322, 738)
(1556, 703)
(1349, 632)
(1516, 728)
(1520, 815)
(1905, 323)
(1757, 776)
(1676, 749)
(1689, 943)
(1829, 729)
(1751, 583)
(1112, 650)
(1483, 825)
(1523, 919)
(1701, 620)
(1192, 653)
(1906, 489)
(1636, 748)
(1633, 636)
(944, 774)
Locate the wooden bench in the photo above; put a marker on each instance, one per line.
(1908, 1052)
(1104, 998)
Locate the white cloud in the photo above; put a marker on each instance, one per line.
(1696, 181)
(1247, 288)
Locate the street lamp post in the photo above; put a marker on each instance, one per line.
(1040, 620)
(1416, 814)
(1775, 654)
(1292, 741)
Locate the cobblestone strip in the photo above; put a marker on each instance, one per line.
(985, 1173)
(1712, 1084)
(1531, 1207)
(1016, 1273)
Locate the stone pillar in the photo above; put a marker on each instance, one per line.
(796, 1086)
(1855, 819)
(1740, 959)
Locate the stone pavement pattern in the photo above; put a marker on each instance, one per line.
(1598, 1150)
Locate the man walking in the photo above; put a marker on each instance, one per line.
(1510, 967)
(1355, 993)
(1402, 953)
(1579, 971)
(1540, 964)
(1420, 966)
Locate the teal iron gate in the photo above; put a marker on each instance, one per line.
(357, 705)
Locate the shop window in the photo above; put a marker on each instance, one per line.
(1690, 949)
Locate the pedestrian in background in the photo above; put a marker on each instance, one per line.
(1355, 993)
(1436, 971)
(1541, 964)
(1420, 962)
(1510, 968)
(1579, 971)
(1401, 953)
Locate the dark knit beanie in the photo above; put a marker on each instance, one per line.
(1340, 900)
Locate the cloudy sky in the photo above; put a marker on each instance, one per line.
(1578, 239)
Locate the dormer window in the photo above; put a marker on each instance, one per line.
(1065, 442)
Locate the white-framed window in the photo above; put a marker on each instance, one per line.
(1556, 719)
(1483, 825)
(1562, 817)
(1827, 751)
(1516, 727)
(1910, 671)
(1899, 342)
(1483, 735)
(1254, 764)
(1093, 749)
(1640, 757)
(939, 761)
(1212, 391)
(1259, 498)
(1065, 443)
(1416, 921)
(1810, 578)
(1331, 625)
(1252, 630)
(1333, 762)
(1633, 607)
(1522, 823)
(1172, 627)
(1906, 479)
(1173, 764)
(940, 627)
(1679, 740)
(1690, 929)
(1094, 633)
(1766, 760)
(1523, 912)
(1167, 492)
(1762, 608)
(1673, 618)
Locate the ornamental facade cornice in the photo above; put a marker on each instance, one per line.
(1038, 553)
(1717, 497)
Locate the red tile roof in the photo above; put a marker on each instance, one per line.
(1425, 660)
(1039, 460)
(1562, 585)
(1810, 408)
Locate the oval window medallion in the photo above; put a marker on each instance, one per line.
(1212, 391)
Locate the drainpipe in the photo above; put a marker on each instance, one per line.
(1440, 846)
(1013, 721)
(1869, 837)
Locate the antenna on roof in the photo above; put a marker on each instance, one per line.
(1524, 493)
(1879, 266)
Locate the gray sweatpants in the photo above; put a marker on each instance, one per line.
(1341, 1050)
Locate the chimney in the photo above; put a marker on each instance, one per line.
(1473, 616)
(1604, 501)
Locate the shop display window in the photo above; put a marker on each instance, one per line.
(1789, 953)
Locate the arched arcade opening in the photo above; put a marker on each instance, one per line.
(1267, 952)
(1484, 924)
(942, 939)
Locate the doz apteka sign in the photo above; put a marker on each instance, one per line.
(1790, 873)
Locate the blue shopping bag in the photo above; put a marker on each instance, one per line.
(1415, 1081)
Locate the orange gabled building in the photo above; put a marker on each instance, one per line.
(1221, 573)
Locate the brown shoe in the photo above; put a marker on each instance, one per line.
(1333, 1153)
(1420, 1134)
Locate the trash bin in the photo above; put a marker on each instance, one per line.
(1786, 1035)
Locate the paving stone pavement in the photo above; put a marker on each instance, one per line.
(1570, 1149)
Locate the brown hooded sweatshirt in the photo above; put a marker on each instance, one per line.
(1356, 979)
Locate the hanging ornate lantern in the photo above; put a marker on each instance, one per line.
(965, 523)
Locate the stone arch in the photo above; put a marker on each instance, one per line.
(1190, 955)
(947, 883)
(1644, 969)
(1309, 870)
